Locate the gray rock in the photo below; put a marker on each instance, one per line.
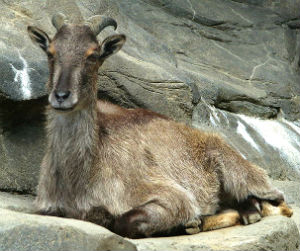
(16, 202)
(271, 233)
(22, 144)
(248, 108)
(235, 50)
(19, 231)
(290, 190)
(23, 68)
(296, 216)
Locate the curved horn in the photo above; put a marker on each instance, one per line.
(98, 23)
(58, 20)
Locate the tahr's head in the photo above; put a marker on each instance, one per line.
(74, 56)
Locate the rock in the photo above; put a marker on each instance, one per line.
(271, 233)
(243, 60)
(296, 216)
(226, 49)
(16, 202)
(248, 108)
(24, 69)
(19, 231)
(294, 24)
(22, 144)
(290, 190)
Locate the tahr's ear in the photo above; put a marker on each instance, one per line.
(111, 45)
(38, 36)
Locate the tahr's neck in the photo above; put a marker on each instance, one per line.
(72, 142)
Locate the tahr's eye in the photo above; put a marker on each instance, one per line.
(93, 57)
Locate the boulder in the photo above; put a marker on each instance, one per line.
(20, 231)
(271, 233)
(291, 191)
(17, 202)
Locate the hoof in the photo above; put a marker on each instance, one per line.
(193, 226)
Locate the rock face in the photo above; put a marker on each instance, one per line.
(226, 66)
(20, 231)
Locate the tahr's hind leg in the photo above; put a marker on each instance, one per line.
(242, 179)
(253, 209)
(152, 218)
(250, 186)
(250, 211)
(226, 218)
(161, 215)
(269, 209)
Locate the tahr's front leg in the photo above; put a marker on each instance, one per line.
(100, 216)
(226, 218)
(46, 202)
(47, 209)
(45, 205)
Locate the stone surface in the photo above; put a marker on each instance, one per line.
(19, 231)
(22, 144)
(271, 233)
(16, 202)
(291, 191)
(296, 216)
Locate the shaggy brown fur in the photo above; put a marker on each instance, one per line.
(132, 170)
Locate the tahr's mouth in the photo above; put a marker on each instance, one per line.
(61, 108)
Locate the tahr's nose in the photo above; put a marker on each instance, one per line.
(61, 96)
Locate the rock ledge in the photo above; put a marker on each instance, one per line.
(22, 231)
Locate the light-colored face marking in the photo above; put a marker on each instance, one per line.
(90, 51)
(51, 49)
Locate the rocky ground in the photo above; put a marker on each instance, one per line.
(21, 230)
(225, 65)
